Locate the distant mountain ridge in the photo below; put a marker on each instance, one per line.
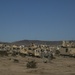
(37, 42)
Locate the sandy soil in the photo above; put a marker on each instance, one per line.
(58, 66)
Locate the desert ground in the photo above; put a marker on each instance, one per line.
(58, 66)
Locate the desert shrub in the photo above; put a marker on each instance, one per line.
(69, 66)
(45, 61)
(16, 60)
(9, 58)
(31, 64)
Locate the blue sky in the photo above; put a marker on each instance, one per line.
(37, 20)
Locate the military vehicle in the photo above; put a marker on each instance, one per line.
(67, 49)
(37, 52)
(3, 50)
(15, 50)
(23, 51)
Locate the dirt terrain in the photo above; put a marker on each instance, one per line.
(58, 66)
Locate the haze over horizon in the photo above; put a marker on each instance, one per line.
(51, 20)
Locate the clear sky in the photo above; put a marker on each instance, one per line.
(37, 20)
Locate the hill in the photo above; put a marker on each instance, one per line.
(38, 42)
